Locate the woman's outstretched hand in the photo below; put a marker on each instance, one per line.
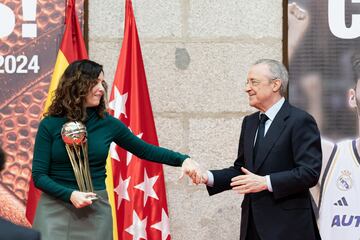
(193, 170)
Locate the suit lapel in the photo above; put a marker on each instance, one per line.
(249, 140)
(272, 134)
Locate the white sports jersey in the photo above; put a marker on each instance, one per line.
(339, 213)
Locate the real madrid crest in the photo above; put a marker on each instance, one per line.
(344, 182)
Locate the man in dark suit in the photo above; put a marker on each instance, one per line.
(279, 159)
(10, 231)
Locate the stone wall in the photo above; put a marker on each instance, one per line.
(196, 54)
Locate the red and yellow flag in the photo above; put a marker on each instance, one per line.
(72, 48)
(140, 197)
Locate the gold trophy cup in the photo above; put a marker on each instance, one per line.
(75, 138)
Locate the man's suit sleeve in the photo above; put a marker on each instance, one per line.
(222, 178)
(307, 157)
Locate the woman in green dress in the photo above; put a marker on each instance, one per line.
(64, 212)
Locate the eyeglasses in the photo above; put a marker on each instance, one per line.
(252, 83)
(255, 82)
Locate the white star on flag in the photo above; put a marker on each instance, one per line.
(163, 225)
(138, 227)
(113, 152)
(118, 104)
(122, 190)
(148, 187)
(129, 154)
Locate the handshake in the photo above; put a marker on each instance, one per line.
(195, 172)
(245, 182)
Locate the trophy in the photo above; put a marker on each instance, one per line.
(74, 137)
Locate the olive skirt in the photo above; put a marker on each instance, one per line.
(59, 220)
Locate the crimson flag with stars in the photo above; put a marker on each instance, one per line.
(139, 186)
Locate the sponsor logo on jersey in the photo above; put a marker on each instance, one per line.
(346, 221)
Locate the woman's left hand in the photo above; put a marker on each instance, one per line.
(81, 199)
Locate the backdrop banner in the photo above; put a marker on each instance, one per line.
(30, 34)
(323, 48)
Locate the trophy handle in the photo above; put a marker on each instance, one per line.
(75, 167)
(81, 169)
(87, 173)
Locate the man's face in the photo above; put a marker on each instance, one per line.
(260, 87)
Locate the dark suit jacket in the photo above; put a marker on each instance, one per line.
(10, 231)
(291, 155)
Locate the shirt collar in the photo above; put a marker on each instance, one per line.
(271, 112)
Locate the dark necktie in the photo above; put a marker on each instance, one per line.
(260, 134)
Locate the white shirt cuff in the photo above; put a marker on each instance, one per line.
(268, 183)
(210, 181)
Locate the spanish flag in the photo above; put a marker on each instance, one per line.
(72, 48)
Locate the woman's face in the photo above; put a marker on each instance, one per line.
(95, 94)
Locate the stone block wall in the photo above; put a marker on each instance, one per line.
(196, 55)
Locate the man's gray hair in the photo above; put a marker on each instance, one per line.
(278, 71)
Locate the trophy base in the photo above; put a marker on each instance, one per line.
(93, 198)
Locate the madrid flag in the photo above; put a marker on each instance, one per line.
(72, 48)
(139, 187)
